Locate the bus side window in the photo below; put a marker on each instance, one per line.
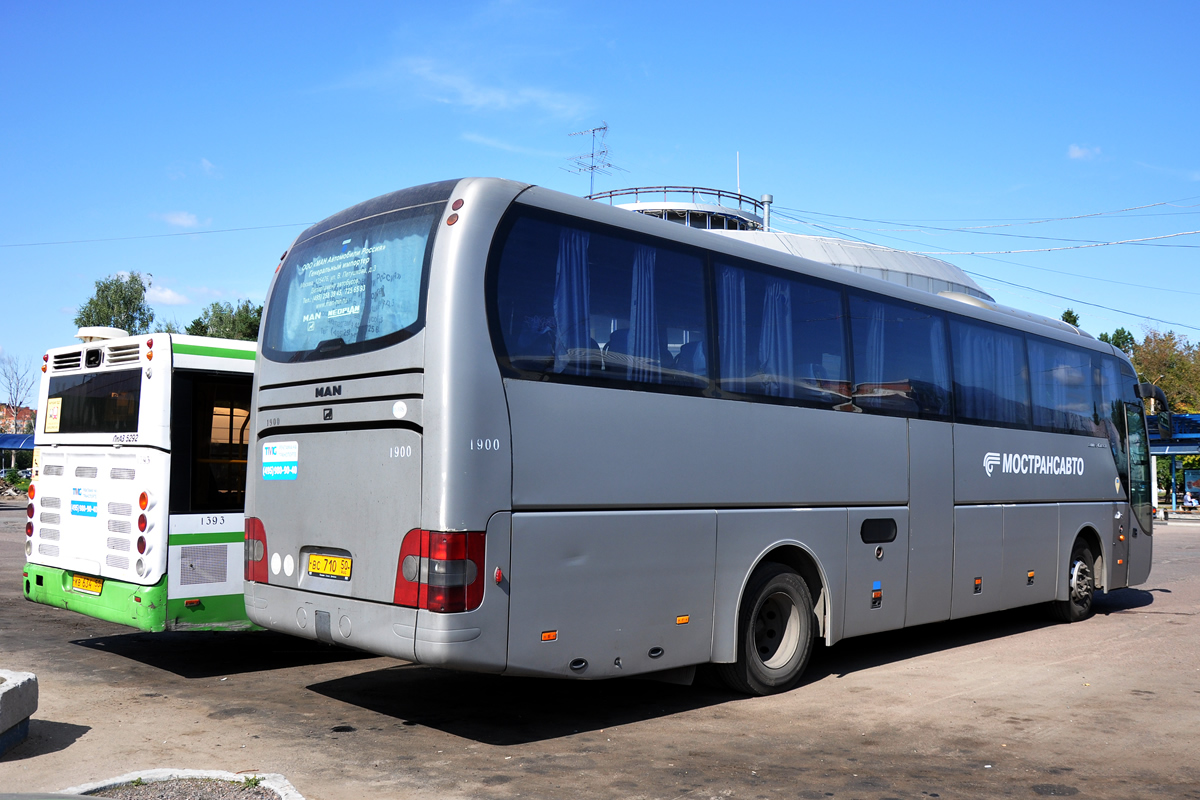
(220, 442)
(1062, 389)
(901, 364)
(991, 375)
(780, 336)
(577, 302)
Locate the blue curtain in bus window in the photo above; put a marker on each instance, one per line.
(645, 344)
(901, 365)
(573, 345)
(775, 362)
(731, 327)
(1062, 391)
(991, 378)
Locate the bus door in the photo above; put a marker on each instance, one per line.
(876, 569)
(1138, 526)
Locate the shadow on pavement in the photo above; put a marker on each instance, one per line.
(45, 737)
(208, 654)
(497, 710)
(1124, 600)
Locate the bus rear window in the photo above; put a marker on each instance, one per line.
(94, 402)
(353, 288)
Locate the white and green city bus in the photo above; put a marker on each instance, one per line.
(139, 480)
(572, 440)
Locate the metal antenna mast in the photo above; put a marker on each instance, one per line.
(594, 161)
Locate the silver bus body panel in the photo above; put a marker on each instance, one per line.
(592, 447)
(464, 392)
(931, 521)
(876, 567)
(1012, 475)
(614, 587)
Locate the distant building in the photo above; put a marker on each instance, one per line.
(22, 421)
(740, 217)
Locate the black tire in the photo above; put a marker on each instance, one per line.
(1081, 586)
(775, 633)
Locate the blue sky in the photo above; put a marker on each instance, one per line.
(898, 123)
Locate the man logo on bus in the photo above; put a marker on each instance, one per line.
(990, 461)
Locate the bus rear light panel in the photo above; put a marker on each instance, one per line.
(256, 551)
(440, 571)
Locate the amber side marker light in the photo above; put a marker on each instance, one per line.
(549, 636)
(191, 603)
(683, 619)
(453, 218)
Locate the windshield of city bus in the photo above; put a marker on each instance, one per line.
(352, 288)
(94, 402)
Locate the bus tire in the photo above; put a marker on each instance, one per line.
(1081, 585)
(775, 633)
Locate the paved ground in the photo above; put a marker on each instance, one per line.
(1000, 706)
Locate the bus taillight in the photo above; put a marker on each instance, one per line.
(440, 571)
(256, 550)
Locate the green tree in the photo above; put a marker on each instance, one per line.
(1177, 361)
(169, 326)
(1070, 317)
(1120, 339)
(118, 303)
(225, 321)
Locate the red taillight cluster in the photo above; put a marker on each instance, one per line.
(440, 571)
(256, 550)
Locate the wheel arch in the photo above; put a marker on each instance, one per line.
(805, 563)
(1087, 532)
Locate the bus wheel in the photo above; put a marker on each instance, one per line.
(775, 633)
(1081, 585)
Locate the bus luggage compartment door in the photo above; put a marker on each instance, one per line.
(604, 594)
(876, 569)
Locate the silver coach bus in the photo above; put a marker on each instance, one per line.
(503, 429)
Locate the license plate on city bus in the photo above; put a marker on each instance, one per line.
(329, 566)
(86, 583)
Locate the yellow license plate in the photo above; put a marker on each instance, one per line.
(329, 566)
(86, 583)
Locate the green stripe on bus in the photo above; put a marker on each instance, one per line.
(214, 352)
(224, 537)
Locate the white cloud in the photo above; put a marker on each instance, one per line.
(1082, 152)
(464, 90)
(160, 295)
(180, 219)
(209, 168)
(458, 88)
(496, 144)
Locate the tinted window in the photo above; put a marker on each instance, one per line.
(780, 337)
(95, 402)
(900, 358)
(574, 301)
(1109, 413)
(991, 377)
(351, 288)
(1060, 377)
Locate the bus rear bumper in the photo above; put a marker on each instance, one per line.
(142, 607)
(380, 628)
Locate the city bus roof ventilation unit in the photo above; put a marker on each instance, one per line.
(97, 333)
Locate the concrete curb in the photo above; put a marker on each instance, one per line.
(271, 780)
(18, 701)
